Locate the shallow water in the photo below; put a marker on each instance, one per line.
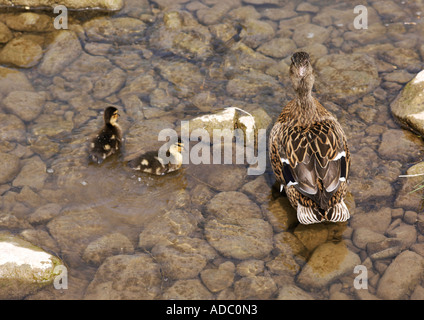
(157, 82)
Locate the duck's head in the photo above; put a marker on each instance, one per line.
(177, 147)
(111, 115)
(301, 72)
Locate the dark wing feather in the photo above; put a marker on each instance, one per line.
(106, 143)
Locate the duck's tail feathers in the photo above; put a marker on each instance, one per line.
(339, 213)
(306, 215)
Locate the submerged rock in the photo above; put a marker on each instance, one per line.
(401, 276)
(346, 77)
(12, 128)
(307, 34)
(11, 79)
(218, 279)
(24, 268)
(244, 239)
(328, 262)
(21, 52)
(9, 167)
(255, 287)
(191, 289)
(64, 49)
(126, 277)
(183, 257)
(232, 206)
(256, 32)
(5, 34)
(106, 246)
(26, 105)
(407, 198)
(30, 21)
(122, 30)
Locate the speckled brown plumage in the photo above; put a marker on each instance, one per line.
(109, 139)
(309, 153)
(151, 161)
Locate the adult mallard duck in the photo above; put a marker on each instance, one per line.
(151, 161)
(309, 153)
(108, 140)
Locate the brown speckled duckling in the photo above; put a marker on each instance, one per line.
(109, 139)
(152, 163)
(309, 153)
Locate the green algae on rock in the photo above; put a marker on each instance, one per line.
(24, 268)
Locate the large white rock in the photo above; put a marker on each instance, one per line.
(24, 268)
(408, 106)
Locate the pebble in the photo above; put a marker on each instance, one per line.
(126, 277)
(307, 33)
(5, 33)
(30, 21)
(255, 287)
(64, 50)
(399, 145)
(45, 213)
(12, 128)
(167, 226)
(27, 105)
(249, 268)
(218, 279)
(278, 48)
(191, 289)
(401, 276)
(256, 32)
(109, 245)
(244, 239)
(11, 79)
(329, 262)
(360, 69)
(121, 30)
(232, 206)
(183, 258)
(9, 167)
(291, 292)
(32, 174)
(89, 224)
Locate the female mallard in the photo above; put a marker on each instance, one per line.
(108, 140)
(152, 162)
(309, 153)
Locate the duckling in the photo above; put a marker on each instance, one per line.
(309, 152)
(151, 162)
(109, 139)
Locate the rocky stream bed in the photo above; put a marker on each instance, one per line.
(209, 231)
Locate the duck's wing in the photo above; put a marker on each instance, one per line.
(314, 160)
(104, 144)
